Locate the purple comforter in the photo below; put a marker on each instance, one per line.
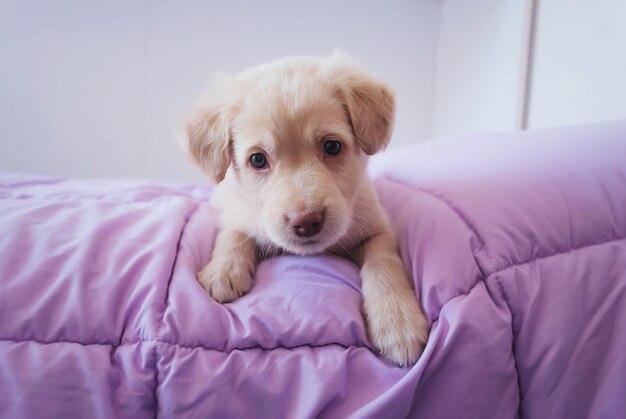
(517, 244)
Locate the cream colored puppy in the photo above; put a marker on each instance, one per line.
(288, 142)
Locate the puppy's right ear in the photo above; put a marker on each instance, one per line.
(205, 136)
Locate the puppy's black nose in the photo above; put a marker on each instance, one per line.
(307, 224)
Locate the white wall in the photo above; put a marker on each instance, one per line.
(579, 72)
(91, 88)
(71, 87)
(479, 66)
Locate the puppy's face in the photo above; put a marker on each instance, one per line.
(294, 136)
(296, 163)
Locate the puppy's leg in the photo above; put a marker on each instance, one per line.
(229, 273)
(396, 324)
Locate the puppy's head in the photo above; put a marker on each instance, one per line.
(294, 136)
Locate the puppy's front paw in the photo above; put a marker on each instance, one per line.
(397, 327)
(227, 279)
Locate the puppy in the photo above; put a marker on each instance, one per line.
(288, 142)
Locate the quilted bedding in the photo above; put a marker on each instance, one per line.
(516, 242)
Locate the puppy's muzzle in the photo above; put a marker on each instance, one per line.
(307, 224)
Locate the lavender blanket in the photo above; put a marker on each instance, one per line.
(517, 244)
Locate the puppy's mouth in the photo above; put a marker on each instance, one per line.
(308, 246)
(317, 244)
(304, 245)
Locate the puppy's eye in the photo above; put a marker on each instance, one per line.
(332, 148)
(258, 161)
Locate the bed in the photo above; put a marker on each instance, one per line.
(515, 242)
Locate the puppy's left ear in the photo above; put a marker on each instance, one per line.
(371, 107)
